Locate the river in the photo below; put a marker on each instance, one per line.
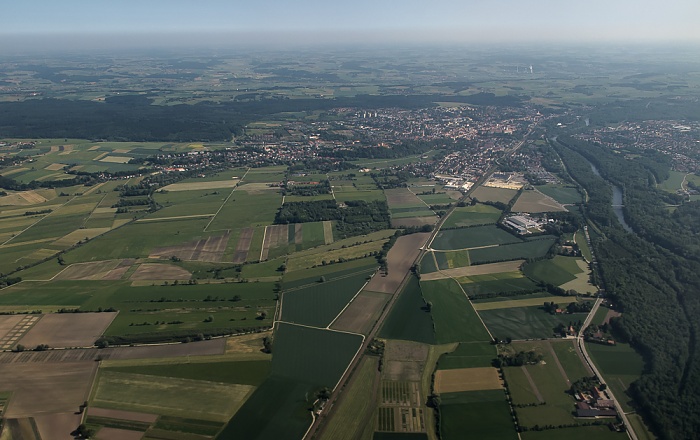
(617, 201)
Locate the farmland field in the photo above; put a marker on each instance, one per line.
(514, 303)
(556, 271)
(362, 312)
(534, 201)
(312, 355)
(452, 260)
(318, 305)
(478, 286)
(578, 433)
(563, 194)
(476, 273)
(399, 260)
(485, 193)
(457, 380)
(516, 251)
(453, 315)
(482, 414)
(583, 245)
(525, 322)
(476, 236)
(472, 216)
(620, 365)
(469, 355)
(409, 319)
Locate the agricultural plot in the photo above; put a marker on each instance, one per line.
(467, 379)
(303, 277)
(564, 194)
(620, 365)
(490, 194)
(404, 361)
(438, 198)
(318, 305)
(400, 258)
(362, 313)
(556, 271)
(409, 319)
(472, 272)
(534, 201)
(169, 396)
(516, 251)
(483, 414)
(243, 245)
(452, 260)
(495, 284)
(247, 208)
(476, 236)
(582, 243)
(188, 203)
(403, 204)
(474, 215)
(198, 186)
(428, 264)
(350, 416)
(454, 317)
(313, 355)
(468, 355)
(525, 322)
(157, 271)
(506, 303)
(210, 249)
(602, 432)
(68, 330)
(408, 222)
(63, 386)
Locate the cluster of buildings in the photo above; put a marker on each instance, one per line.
(523, 224)
(594, 404)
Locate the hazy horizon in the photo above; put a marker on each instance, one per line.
(80, 24)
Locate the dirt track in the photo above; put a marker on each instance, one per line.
(400, 258)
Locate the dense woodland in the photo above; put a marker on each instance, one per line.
(654, 276)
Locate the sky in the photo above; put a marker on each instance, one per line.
(318, 21)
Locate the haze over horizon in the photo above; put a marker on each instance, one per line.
(43, 24)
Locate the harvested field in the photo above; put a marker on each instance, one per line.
(7, 323)
(12, 328)
(528, 302)
(118, 434)
(20, 429)
(414, 221)
(402, 198)
(406, 351)
(123, 415)
(57, 426)
(32, 197)
(209, 249)
(62, 388)
(116, 159)
(534, 201)
(400, 259)
(191, 186)
(96, 270)
(362, 312)
(256, 188)
(275, 235)
(467, 379)
(328, 232)
(298, 234)
(156, 271)
(15, 171)
(68, 330)
(248, 344)
(202, 348)
(79, 235)
(482, 269)
(243, 246)
(55, 167)
(402, 370)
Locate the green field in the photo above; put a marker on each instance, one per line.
(278, 409)
(583, 245)
(620, 365)
(476, 236)
(673, 183)
(319, 304)
(472, 215)
(497, 283)
(409, 318)
(564, 194)
(312, 355)
(578, 433)
(469, 355)
(452, 259)
(486, 416)
(436, 199)
(454, 317)
(555, 271)
(346, 421)
(303, 277)
(240, 372)
(525, 322)
(427, 263)
(516, 251)
(169, 396)
(247, 208)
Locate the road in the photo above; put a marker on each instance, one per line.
(582, 347)
(317, 426)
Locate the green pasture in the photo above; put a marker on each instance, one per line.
(246, 209)
(494, 284)
(489, 194)
(454, 317)
(409, 318)
(236, 372)
(472, 216)
(427, 263)
(346, 421)
(673, 183)
(555, 271)
(482, 419)
(319, 304)
(195, 202)
(564, 194)
(436, 199)
(169, 396)
(469, 355)
(312, 355)
(303, 277)
(620, 365)
(583, 245)
(525, 322)
(476, 236)
(452, 259)
(516, 251)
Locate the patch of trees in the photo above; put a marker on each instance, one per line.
(518, 359)
(308, 190)
(42, 211)
(183, 335)
(356, 218)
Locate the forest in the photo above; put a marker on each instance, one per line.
(654, 277)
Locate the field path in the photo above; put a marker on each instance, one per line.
(157, 219)
(556, 359)
(535, 391)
